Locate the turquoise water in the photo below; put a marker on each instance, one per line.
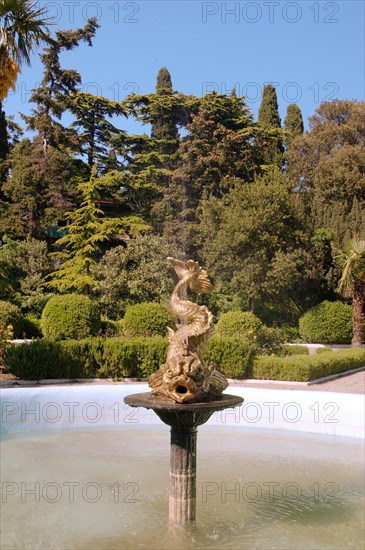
(107, 489)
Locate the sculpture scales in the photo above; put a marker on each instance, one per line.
(184, 378)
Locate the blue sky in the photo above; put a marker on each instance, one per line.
(311, 50)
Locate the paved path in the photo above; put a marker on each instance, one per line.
(350, 383)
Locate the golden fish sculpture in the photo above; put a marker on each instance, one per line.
(184, 378)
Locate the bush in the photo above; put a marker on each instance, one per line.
(88, 358)
(237, 324)
(32, 326)
(147, 319)
(132, 358)
(46, 359)
(323, 350)
(70, 316)
(294, 350)
(11, 315)
(327, 323)
(231, 356)
(305, 368)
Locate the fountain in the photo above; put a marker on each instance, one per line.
(185, 392)
(82, 471)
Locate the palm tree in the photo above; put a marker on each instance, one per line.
(352, 282)
(22, 28)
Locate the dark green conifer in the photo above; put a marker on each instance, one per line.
(293, 123)
(268, 111)
(4, 145)
(269, 136)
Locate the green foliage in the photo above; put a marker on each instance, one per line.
(25, 263)
(319, 351)
(43, 359)
(294, 350)
(293, 123)
(327, 165)
(268, 111)
(70, 316)
(149, 319)
(88, 230)
(10, 314)
(306, 368)
(133, 274)
(132, 358)
(247, 327)
(6, 335)
(93, 357)
(238, 324)
(327, 323)
(32, 326)
(231, 356)
(261, 249)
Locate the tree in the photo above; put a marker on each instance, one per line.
(164, 126)
(293, 123)
(327, 165)
(4, 146)
(95, 134)
(352, 283)
(39, 189)
(217, 153)
(22, 29)
(135, 273)
(269, 109)
(269, 140)
(251, 243)
(58, 86)
(86, 233)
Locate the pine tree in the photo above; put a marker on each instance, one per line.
(293, 123)
(87, 232)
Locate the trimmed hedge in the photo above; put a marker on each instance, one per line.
(118, 358)
(234, 324)
(70, 316)
(87, 358)
(293, 350)
(11, 315)
(231, 356)
(147, 319)
(327, 323)
(303, 368)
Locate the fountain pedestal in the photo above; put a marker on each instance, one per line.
(184, 420)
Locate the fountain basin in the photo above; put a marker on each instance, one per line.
(82, 470)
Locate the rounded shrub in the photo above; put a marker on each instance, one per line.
(10, 314)
(238, 324)
(148, 319)
(70, 316)
(327, 323)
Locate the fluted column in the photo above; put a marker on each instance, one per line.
(182, 493)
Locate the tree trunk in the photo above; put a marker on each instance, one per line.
(358, 291)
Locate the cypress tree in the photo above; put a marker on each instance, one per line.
(4, 145)
(268, 111)
(164, 128)
(269, 136)
(293, 123)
